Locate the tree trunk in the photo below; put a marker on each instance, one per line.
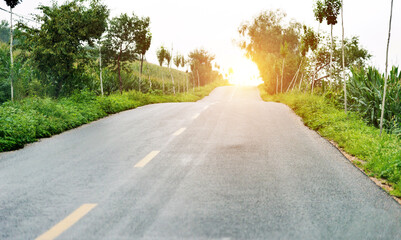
(342, 46)
(150, 82)
(172, 80)
(100, 66)
(119, 73)
(140, 79)
(11, 54)
(282, 75)
(186, 78)
(294, 79)
(300, 82)
(141, 64)
(163, 81)
(331, 52)
(198, 78)
(193, 82)
(385, 74)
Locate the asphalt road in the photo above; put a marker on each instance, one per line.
(227, 167)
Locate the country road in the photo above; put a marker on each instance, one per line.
(227, 167)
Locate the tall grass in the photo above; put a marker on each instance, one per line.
(366, 95)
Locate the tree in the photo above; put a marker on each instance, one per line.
(58, 46)
(329, 10)
(12, 4)
(120, 44)
(177, 60)
(183, 62)
(161, 55)
(262, 38)
(385, 74)
(283, 54)
(343, 56)
(167, 56)
(4, 31)
(201, 65)
(143, 38)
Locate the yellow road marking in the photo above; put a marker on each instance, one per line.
(195, 116)
(181, 130)
(147, 159)
(67, 222)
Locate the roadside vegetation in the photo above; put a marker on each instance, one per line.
(32, 118)
(329, 83)
(76, 65)
(380, 155)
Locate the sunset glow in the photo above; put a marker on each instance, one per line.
(245, 73)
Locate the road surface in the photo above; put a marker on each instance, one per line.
(227, 167)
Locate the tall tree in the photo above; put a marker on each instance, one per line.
(58, 46)
(168, 57)
(143, 38)
(343, 56)
(329, 10)
(201, 64)
(385, 74)
(120, 42)
(177, 60)
(262, 38)
(161, 55)
(12, 4)
(283, 54)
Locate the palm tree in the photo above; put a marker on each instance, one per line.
(329, 10)
(12, 4)
(343, 56)
(385, 74)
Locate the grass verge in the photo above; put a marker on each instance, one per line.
(32, 118)
(381, 156)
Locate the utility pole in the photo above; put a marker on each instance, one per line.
(100, 66)
(11, 54)
(385, 74)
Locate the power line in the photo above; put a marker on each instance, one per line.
(28, 19)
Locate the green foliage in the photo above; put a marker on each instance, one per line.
(327, 9)
(12, 3)
(4, 31)
(120, 44)
(366, 95)
(309, 40)
(177, 60)
(168, 57)
(201, 65)
(263, 38)
(161, 55)
(382, 154)
(32, 118)
(57, 47)
(355, 56)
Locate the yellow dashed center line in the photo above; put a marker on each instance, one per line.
(147, 159)
(181, 130)
(65, 224)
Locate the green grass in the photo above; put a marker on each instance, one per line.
(381, 154)
(32, 118)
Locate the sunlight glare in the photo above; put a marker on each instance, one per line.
(245, 73)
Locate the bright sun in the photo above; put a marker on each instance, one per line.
(245, 73)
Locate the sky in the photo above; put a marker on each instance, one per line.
(184, 25)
